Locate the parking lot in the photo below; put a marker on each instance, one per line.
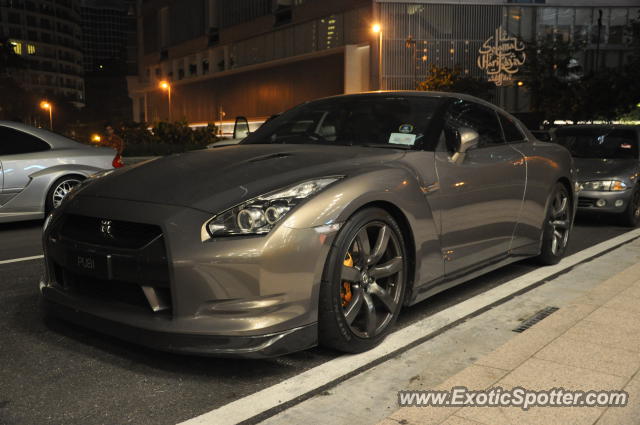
(58, 373)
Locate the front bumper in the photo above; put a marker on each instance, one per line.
(614, 202)
(262, 346)
(246, 297)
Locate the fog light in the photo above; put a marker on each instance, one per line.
(601, 203)
(619, 203)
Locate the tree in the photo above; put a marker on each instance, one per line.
(603, 93)
(453, 80)
(553, 95)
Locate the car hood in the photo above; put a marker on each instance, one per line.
(602, 169)
(217, 179)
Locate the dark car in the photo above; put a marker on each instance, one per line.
(608, 166)
(317, 228)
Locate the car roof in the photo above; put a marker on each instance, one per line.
(56, 141)
(416, 93)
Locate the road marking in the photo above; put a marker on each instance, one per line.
(19, 260)
(271, 400)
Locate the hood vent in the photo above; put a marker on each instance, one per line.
(270, 156)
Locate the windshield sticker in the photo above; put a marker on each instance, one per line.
(406, 128)
(402, 139)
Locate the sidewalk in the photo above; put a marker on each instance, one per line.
(590, 344)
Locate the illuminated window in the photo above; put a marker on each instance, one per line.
(31, 49)
(17, 47)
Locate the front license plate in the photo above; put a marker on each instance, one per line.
(88, 263)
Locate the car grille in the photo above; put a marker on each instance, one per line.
(112, 233)
(134, 262)
(586, 202)
(102, 290)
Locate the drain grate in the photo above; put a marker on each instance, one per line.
(545, 312)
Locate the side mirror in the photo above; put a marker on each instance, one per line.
(467, 139)
(241, 128)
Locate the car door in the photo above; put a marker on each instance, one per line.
(479, 197)
(21, 155)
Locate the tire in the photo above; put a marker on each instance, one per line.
(362, 290)
(59, 189)
(557, 226)
(631, 216)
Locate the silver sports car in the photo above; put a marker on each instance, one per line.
(316, 229)
(39, 168)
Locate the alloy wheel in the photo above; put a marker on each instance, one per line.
(62, 190)
(372, 279)
(559, 222)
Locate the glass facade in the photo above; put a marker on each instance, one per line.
(453, 35)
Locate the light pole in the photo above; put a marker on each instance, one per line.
(164, 85)
(377, 29)
(47, 106)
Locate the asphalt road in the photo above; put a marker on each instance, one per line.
(54, 372)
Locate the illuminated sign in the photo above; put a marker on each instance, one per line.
(501, 56)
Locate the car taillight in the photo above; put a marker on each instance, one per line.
(117, 162)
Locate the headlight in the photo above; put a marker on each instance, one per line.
(604, 186)
(259, 215)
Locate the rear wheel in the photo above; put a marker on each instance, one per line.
(557, 226)
(363, 283)
(59, 190)
(631, 216)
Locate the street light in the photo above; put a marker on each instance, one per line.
(48, 107)
(164, 85)
(377, 29)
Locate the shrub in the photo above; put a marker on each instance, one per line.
(165, 138)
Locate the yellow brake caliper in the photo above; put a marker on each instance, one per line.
(345, 290)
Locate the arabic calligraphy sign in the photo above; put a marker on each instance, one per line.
(501, 56)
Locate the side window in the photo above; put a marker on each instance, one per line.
(477, 117)
(14, 142)
(512, 133)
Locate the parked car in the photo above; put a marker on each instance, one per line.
(608, 166)
(241, 129)
(39, 168)
(317, 228)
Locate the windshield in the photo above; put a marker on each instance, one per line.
(378, 121)
(599, 143)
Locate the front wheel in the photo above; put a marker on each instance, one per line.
(631, 216)
(59, 190)
(557, 226)
(363, 283)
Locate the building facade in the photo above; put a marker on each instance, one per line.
(109, 41)
(109, 36)
(47, 35)
(489, 40)
(258, 57)
(247, 57)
